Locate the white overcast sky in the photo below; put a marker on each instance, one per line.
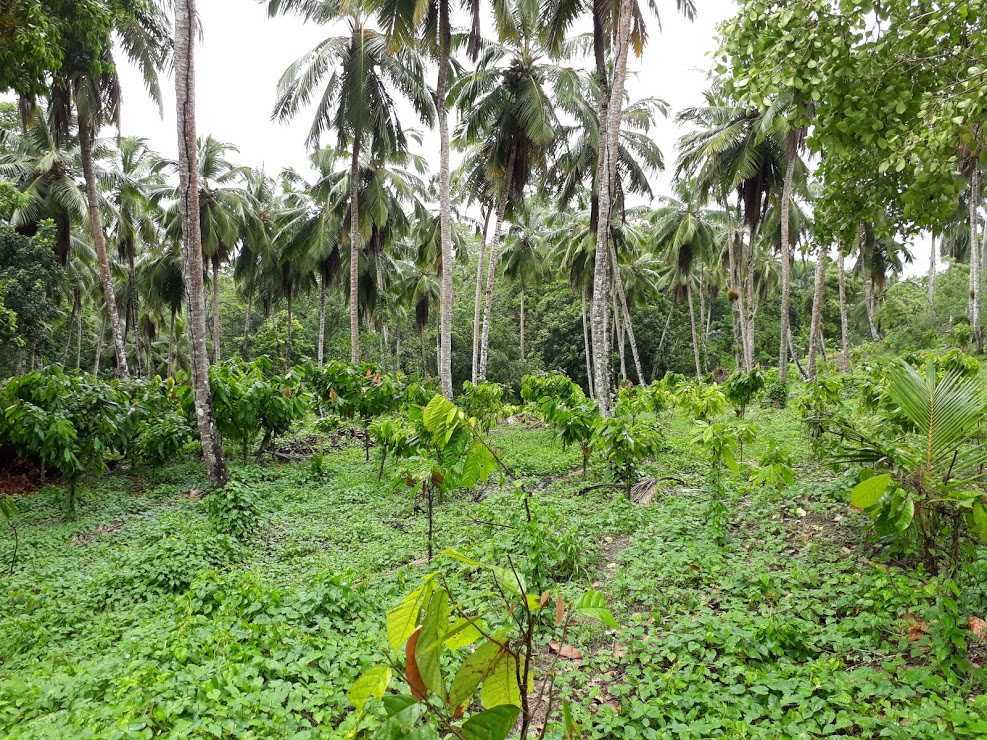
(243, 53)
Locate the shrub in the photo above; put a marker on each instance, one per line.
(233, 510)
(483, 401)
(742, 389)
(249, 400)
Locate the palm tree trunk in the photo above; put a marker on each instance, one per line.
(70, 327)
(492, 269)
(171, 344)
(610, 113)
(664, 331)
(287, 354)
(737, 303)
(628, 326)
(78, 332)
(974, 302)
(99, 346)
(844, 327)
(99, 242)
(479, 294)
(795, 356)
(932, 276)
(618, 332)
(815, 328)
(751, 299)
(379, 268)
(320, 350)
(445, 205)
(586, 344)
(245, 345)
(217, 355)
(522, 324)
(421, 339)
(184, 61)
(869, 306)
(695, 336)
(355, 251)
(786, 257)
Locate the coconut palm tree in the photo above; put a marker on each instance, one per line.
(188, 200)
(161, 278)
(360, 70)
(522, 263)
(44, 170)
(686, 232)
(734, 151)
(508, 114)
(131, 180)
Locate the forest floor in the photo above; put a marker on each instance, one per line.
(136, 620)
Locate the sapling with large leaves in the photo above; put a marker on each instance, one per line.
(71, 423)
(931, 480)
(452, 651)
(448, 452)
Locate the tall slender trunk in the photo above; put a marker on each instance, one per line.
(522, 324)
(492, 270)
(70, 327)
(618, 333)
(287, 332)
(751, 299)
(245, 344)
(974, 303)
(217, 355)
(738, 304)
(99, 346)
(739, 332)
(171, 343)
(795, 356)
(786, 257)
(932, 276)
(695, 336)
(477, 304)
(381, 294)
(628, 325)
(664, 331)
(355, 251)
(869, 305)
(586, 345)
(815, 328)
(844, 327)
(188, 186)
(320, 350)
(610, 111)
(78, 332)
(421, 339)
(709, 323)
(86, 134)
(445, 205)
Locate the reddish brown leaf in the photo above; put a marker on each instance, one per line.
(916, 627)
(418, 688)
(559, 610)
(546, 595)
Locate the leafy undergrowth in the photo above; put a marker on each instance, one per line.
(137, 619)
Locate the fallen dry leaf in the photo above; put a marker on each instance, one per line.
(978, 627)
(916, 627)
(565, 651)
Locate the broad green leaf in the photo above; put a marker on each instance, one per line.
(592, 604)
(471, 673)
(432, 633)
(463, 632)
(371, 683)
(501, 684)
(402, 620)
(867, 493)
(492, 724)
(456, 555)
(397, 703)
